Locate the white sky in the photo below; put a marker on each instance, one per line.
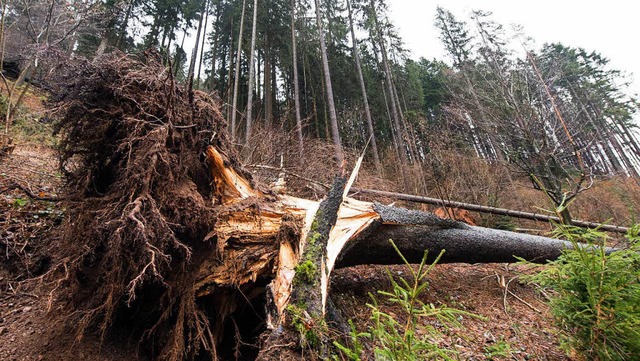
(609, 27)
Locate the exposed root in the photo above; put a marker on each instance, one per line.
(138, 202)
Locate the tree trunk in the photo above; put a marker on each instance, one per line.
(234, 110)
(268, 94)
(249, 124)
(296, 85)
(125, 24)
(363, 88)
(390, 91)
(335, 132)
(194, 52)
(202, 46)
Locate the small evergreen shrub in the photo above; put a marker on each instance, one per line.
(596, 302)
(404, 336)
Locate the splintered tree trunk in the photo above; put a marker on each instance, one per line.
(296, 243)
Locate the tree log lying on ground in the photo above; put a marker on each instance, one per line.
(339, 232)
(169, 240)
(491, 210)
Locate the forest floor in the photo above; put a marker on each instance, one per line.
(512, 328)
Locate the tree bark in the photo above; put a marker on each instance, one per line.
(390, 91)
(196, 46)
(213, 48)
(296, 85)
(268, 94)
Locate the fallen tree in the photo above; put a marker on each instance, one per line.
(168, 239)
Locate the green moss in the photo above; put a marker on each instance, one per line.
(309, 329)
(306, 271)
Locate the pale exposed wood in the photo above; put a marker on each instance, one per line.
(230, 187)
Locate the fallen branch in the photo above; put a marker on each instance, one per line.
(29, 193)
(453, 204)
(490, 210)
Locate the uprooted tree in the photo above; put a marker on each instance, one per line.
(167, 234)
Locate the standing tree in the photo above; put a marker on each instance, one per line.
(247, 134)
(363, 88)
(296, 83)
(234, 110)
(335, 132)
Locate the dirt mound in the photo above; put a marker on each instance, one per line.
(138, 202)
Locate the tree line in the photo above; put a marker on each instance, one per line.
(337, 70)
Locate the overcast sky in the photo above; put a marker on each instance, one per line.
(609, 27)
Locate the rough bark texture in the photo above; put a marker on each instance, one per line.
(414, 232)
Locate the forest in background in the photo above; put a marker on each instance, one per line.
(338, 71)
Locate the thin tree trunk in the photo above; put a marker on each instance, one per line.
(194, 52)
(234, 110)
(274, 91)
(226, 72)
(335, 132)
(102, 47)
(247, 134)
(363, 88)
(296, 86)
(392, 127)
(213, 49)
(389, 83)
(268, 95)
(177, 64)
(125, 24)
